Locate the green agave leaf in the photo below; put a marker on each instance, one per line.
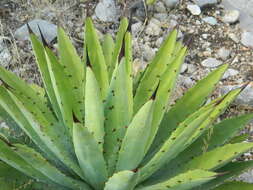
(221, 134)
(164, 92)
(150, 2)
(10, 157)
(135, 141)
(128, 53)
(11, 81)
(186, 105)
(108, 48)
(10, 106)
(41, 60)
(124, 180)
(239, 138)
(90, 156)
(118, 113)
(61, 89)
(119, 44)
(43, 134)
(235, 185)
(94, 110)
(96, 57)
(154, 71)
(11, 179)
(218, 157)
(230, 170)
(176, 143)
(183, 181)
(39, 163)
(75, 70)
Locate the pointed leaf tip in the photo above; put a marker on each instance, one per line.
(29, 29)
(155, 92)
(44, 41)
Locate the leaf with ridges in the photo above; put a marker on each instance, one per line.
(154, 71)
(108, 47)
(90, 156)
(75, 71)
(124, 180)
(94, 111)
(183, 181)
(137, 133)
(44, 72)
(186, 105)
(164, 92)
(96, 57)
(118, 113)
(230, 170)
(176, 143)
(39, 163)
(218, 157)
(61, 85)
(118, 45)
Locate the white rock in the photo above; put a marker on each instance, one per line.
(48, 29)
(210, 20)
(247, 39)
(170, 3)
(153, 27)
(211, 62)
(223, 53)
(230, 73)
(234, 37)
(106, 11)
(247, 176)
(231, 16)
(194, 9)
(136, 27)
(148, 52)
(161, 16)
(5, 57)
(184, 68)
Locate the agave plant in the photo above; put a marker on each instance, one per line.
(96, 125)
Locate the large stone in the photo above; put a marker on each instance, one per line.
(231, 16)
(211, 62)
(106, 11)
(247, 39)
(48, 29)
(194, 9)
(170, 3)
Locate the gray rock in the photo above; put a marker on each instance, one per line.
(184, 68)
(48, 29)
(5, 57)
(203, 3)
(244, 98)
(194, 9)
(160, 8)
(185, 81)
(247, 39)
(153, 28)
(231, 16)
(148, 52)
(161, 16)
(210, 20)
(170, 3)
(230, 73)
(106, 11)
(211, 62)
(136, 27)
(247, 176)
(223, 53)
(234, 37)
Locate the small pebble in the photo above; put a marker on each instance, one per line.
(210, 20)
(223, 53)
(211, 62)
(231, 16)
(194, 9)
(247, 39)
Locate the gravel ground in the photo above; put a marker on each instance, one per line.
(218, 35)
